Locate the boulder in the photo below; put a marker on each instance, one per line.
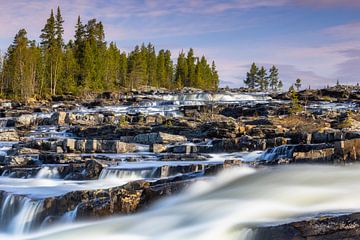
(321, 228)
(9, 135)
(348, 150)
(58, 118)
(18, 161)
(158, 148)
(160, 137)
(26, 120)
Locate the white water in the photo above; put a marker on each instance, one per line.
(127, 174)
(227, 206)
(27, 216)
(48, 172)
(217, 97)
(169, 105)
(22, 204)
(283, 151)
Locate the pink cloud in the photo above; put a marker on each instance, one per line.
(345, 31)
(329, 3)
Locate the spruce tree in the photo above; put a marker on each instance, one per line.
(151, 65)
(298, 84)
(274, 78)
(160, 69)
(123, 69)
(169, 69)
(181, 71)
(190, 60)
(280, 86)
(251, 77)
(69, 85)
(79, 50)
(261, 79)
(294, 104)
(215, 77)
(50, 52)
(59, 29)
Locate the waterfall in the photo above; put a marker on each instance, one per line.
(230, 205)
(216, 97)
(127, 174)
(19, 214)
(48, 172)
(27, 218)
(284, 151)
(69, 216)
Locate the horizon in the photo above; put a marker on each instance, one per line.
(300, 37)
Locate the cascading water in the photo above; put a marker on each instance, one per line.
(48, 173)
(19, 214)
(230, 205)
(127, 174)
(284, 151)
(27, 218)
(218, 97)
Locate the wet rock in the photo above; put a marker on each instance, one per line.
(348, 150)
(331, 135)
(228, 129)
(244, 143)
(93, 169)
(303, 153)
(18, 161)
(84, 119)
(9, 135)
(25, 121)
(185, 149)
(321, 228)
(58, 118)
(163, 138)
(7, 122)
(69, 145)
(184, 157)
(158, 148)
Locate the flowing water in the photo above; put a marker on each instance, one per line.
(227, 206)
(230, 205)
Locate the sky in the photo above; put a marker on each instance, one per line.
(317, 41)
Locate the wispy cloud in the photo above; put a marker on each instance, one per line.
(233, 32)
(344, 31)
(329, 3)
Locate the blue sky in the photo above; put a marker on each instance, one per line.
(315, 40)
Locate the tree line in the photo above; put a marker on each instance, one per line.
(258, 78)
(88, 63)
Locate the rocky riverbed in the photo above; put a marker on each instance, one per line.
(69, 160)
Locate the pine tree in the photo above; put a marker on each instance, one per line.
(59, 29)
(261, 79)
(274, 78)
(70, 71)
(251, 77)
(123, 69)
(181, 71)
(160, 69)
(89, 64)
(190, 60)
(169, 69)
(294, 104)
(20, 66)
(151, 66)
(50, 52)
(280, 86)
(215, 77)
(112, 63)
(298, 84)
(79, 50)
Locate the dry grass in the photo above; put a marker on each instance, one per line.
(300, 123)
